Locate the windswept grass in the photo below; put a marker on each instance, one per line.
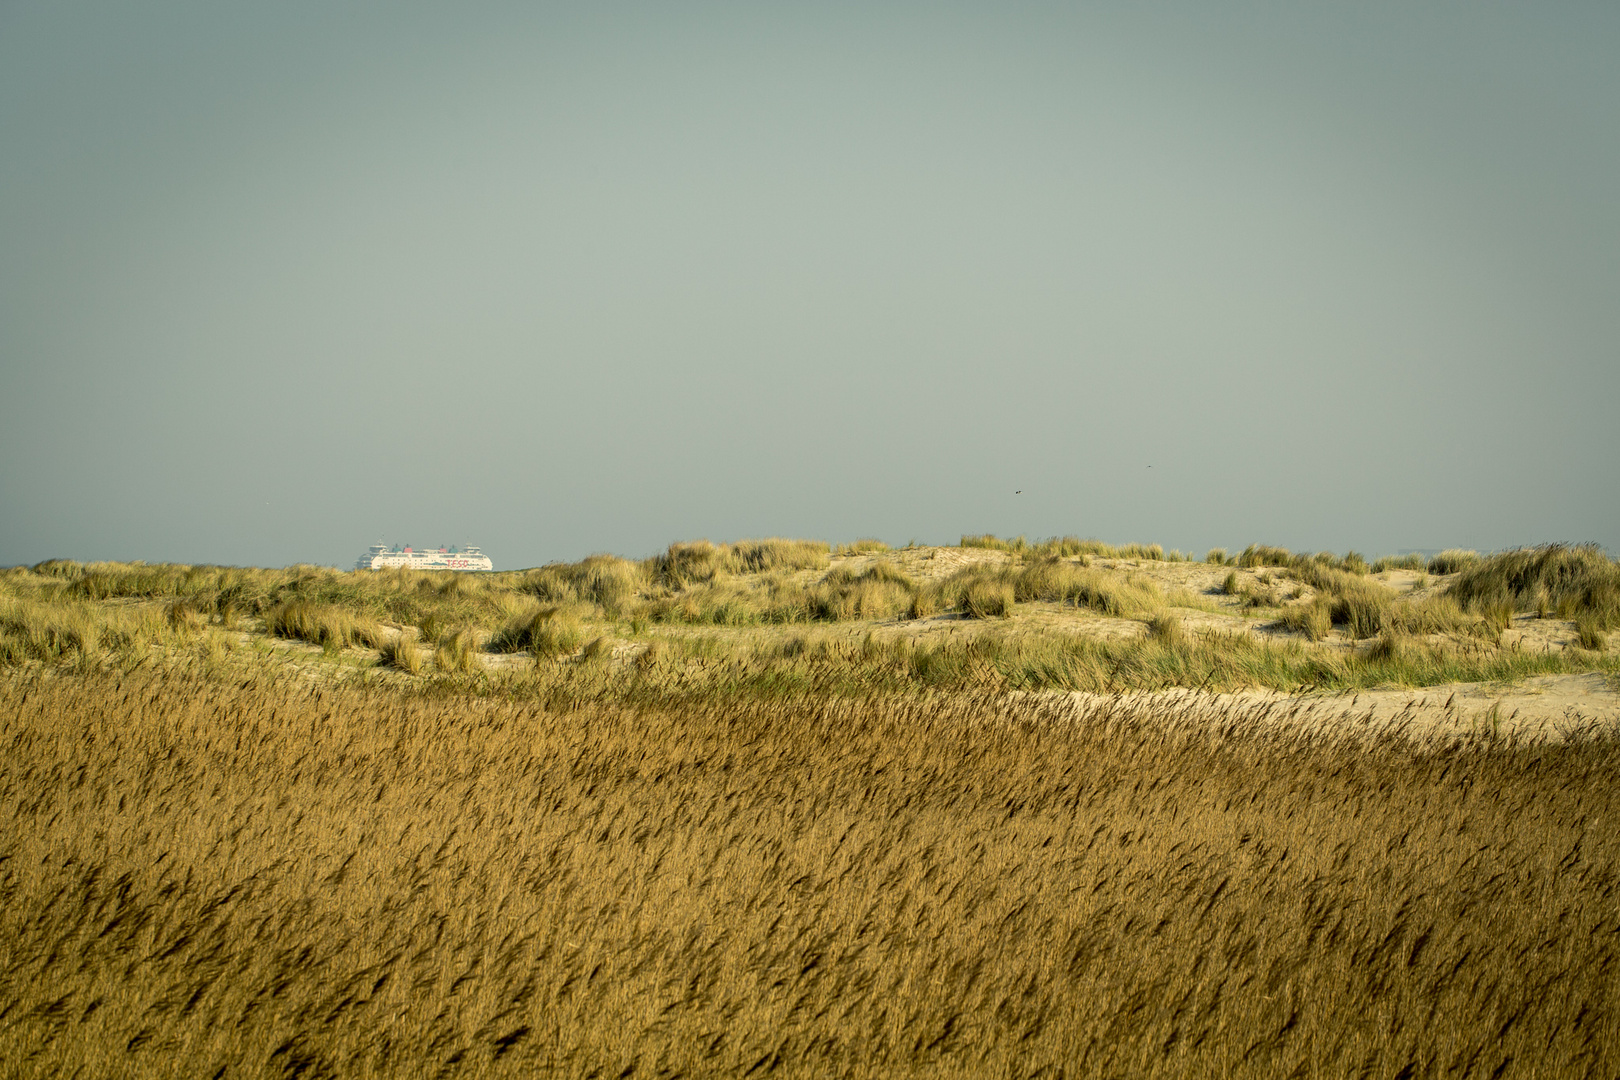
(604, 580)
(987, 598)
(325, 625)
(1121, 596)
(881, 591)
(51, 633)
(552, 631)
(458, 651)
(1153, 552)
(1443, 615)
(1166, 630)
(702, 562)
(826, 843)
(731, 604)
(1067, 547)
(1260, 591)
(401, 654)
(1259, 555)
(60, 630)
(1359, 604)
(1264, 555)
(276, 879)
(989, 542)
(1453, 560)
(1573, 581)
(825, 663)
(1314, 619)
(1592, 632)
(687, 564)
(774, 554)
(1480, 601)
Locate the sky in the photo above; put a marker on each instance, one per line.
(281, 280)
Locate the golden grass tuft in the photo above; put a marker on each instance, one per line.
(990, 542)
(689, 563)
(776, 553)
(607, 581)
(331, 627)
(1362, 606)
(458, 651)
(183, 616)
(1591, 632)
(1165, 629)
(987, 598)
(924, 604)
(402, 654)
(1264, 555)
(1313, 619)
(552, 631)
(1063, 582)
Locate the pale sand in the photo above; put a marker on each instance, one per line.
(1547, 708)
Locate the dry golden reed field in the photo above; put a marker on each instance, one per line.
(230, 853)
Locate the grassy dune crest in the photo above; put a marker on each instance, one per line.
(1058, 614)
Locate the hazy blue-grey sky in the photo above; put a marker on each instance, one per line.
(277, 280)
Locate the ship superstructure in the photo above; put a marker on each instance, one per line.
(381, 556)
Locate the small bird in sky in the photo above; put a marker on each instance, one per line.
(1020, 491)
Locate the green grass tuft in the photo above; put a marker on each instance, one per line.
(1591, 632)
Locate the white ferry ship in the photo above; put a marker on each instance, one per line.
(380, 556)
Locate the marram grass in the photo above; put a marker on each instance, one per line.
(1338, 626)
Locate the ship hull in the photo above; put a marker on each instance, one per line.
(423, 560)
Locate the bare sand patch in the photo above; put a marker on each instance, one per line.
(1548, 708)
